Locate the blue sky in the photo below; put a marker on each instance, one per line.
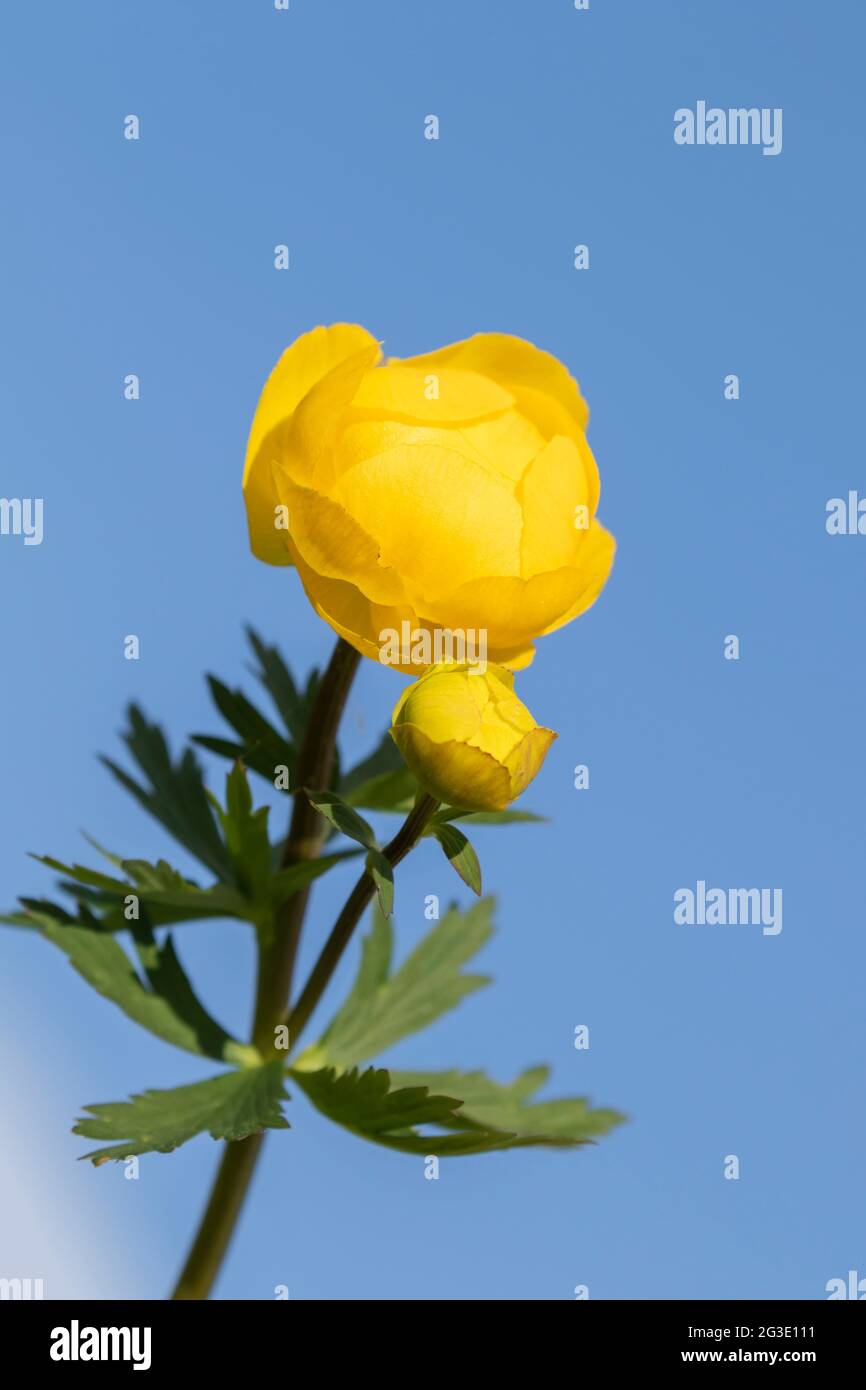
(156, 257)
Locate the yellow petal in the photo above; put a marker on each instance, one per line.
(333, 545)
(503, 445)
(319, 420)
(542, 386)
(444, 703)
(440, 521)
(404, 393)
(552, 489)
(459, 732)
(514, 658)
(454, 773)
(590, 467)
(349, 612)
(512, 611)
(525, 761)
(594, 562)
(506, 445)
(308, 359)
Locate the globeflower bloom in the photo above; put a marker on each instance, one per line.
(454, 491)
(467, 739)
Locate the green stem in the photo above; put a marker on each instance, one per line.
(275, 970)
(315, 763)
(217, 1225)
(407, 836)
(239, 1159)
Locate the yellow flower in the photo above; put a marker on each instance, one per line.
(466, 737)
(454, 491)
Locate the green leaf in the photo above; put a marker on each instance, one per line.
(291, 880)
(91, 878)
(114, 859)
(168, 897)
(366, 1104)
(244, 718)
(157, 878)
(223, 746)
(246, 835)
(381, 1010)
(491, 1106)
(17, 919)
(451, 813)
(262, 747)
(382, 782)
(175, 794)
(382, 873)
(252, 856)
(231, 1106)
(460, 854)
(384, 758)
(373, 972)
(166, 894)
(390, 791)
(342, 817)
(275, 676)
(33, 910)
(177, 1017)
(168, 979)
(169, 906)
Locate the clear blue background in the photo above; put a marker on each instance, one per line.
(156, 257)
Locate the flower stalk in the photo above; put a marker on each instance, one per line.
(360, 897)
(277, 958)
(275, 968)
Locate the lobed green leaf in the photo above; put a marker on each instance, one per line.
(231, 1106)
(382, 1009)
(168, 1008)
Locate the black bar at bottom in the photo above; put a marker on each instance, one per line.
(245, 1339)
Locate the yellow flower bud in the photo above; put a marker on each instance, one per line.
(466, 737)
(451, 491)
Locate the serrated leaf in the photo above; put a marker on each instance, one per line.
(160, 877)
(369, 1106)
(262, 748)
(245, 719)
(380, 1011)
(373, 971)
(252, 856)
(163, 909)
(246, 835)
(167, 895)
(231, 1106)
(492, 1106)
(342, 817)
(168, 979)
(364, 1100)
(169, 898)
(175, 794)
(223, 746)
(99, 959)
(460, 854)
(91, 878)
(275, 676)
